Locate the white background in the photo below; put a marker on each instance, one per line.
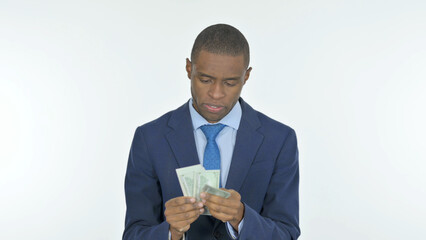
(78, 77)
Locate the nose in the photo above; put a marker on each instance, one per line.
(216, 90)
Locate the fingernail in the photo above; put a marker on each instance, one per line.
(200, 205)
(203, 195)
(201, 210)
(204, 201)
(192, 200)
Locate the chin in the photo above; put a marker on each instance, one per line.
(214, 119)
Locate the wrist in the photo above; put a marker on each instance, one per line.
(235, 222)
(175, 235)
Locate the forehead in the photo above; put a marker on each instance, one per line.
(219, 64)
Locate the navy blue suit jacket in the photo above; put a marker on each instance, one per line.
(264, 170)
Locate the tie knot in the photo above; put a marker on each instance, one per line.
(211, 131)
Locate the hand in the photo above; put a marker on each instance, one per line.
(226, 209)
(180, 212)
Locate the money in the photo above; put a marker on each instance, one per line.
(215, 191)
(187, 178)
(209, 177)
(195, 179)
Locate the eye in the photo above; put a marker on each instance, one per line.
(204, 80)
(229, 84)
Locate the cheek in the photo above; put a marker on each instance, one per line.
(234, 94)
(197, 96)
(194, 88)
(199, 90)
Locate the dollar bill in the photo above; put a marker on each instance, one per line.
(208, 177)
(216, 191)
(186, 177)
(195, 179)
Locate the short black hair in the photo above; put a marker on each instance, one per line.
(221, 39)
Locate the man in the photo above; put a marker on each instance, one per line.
(258, 157)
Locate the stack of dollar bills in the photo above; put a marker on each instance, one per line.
(195, 179)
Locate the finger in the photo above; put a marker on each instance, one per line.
(184, 229)
(232, 211)
(179, 225)
(234, 194)
(173, 210)
(229, 202)
(184, 216)
(221, 216)
(179, 201)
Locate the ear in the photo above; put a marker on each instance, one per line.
(247, 75)
(188, 68)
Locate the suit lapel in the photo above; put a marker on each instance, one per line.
(181, 138)
(246, 146)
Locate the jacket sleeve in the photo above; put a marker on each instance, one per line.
(144, 213)
(279, 217)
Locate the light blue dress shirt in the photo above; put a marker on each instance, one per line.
(225, 141)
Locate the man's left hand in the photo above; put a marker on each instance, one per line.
(225, 209)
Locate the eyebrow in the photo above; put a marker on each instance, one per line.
(230, 78)
(206, 75)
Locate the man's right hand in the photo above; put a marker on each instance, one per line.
(180, 213)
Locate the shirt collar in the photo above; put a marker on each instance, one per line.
(232, 119)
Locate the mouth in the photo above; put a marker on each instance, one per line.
(213, 108)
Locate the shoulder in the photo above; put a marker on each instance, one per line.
(162, 123)
(265, 123)
(273, 127)
(276, 133)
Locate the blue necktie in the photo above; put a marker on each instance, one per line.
(211, 153)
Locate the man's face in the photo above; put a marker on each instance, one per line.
(216, 83)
